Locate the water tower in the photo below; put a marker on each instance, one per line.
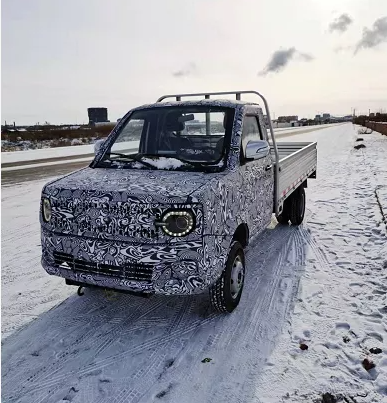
(97, 115)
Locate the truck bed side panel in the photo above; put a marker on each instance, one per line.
(297, 162)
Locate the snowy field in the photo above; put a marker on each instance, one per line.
(321, 286)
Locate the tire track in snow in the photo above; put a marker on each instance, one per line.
(155, 342)
(267, 290)
(264, 327)
(118, 328)
(267, 302)
(260, 334)
(268, 241)
(157, 358)
(68, 354)
(109, 337)
(227, 336)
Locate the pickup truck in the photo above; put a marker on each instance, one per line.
(172, 198)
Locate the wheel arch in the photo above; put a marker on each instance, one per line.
(242, 234)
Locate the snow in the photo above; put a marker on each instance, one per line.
(341, 305)
(381, 194)
(25, 292)
(322, 284)
(30, 155)
(164, 162)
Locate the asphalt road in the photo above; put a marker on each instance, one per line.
(10, 178)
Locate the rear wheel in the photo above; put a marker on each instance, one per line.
(297, 206)
(293, 208)
(283, 218)
(226, 293)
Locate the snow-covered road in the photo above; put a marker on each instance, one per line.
(323, 284)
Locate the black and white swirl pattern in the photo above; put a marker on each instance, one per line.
(107, 216)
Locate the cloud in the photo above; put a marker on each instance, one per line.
(341, 23)
(306, 57)
(339, 49)
(374, 36)
(281, 58)
(186, 71)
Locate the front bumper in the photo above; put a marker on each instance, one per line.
(173, 269)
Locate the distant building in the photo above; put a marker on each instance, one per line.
(318, 117)
(97, 115)
(326, 116)
(287, 119)
(277, 124)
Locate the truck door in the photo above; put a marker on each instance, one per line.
(258, 179)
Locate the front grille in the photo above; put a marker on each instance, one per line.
(130, 271)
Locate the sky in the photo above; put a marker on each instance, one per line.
(306, 56)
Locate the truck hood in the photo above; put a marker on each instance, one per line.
(158, 186)
(124, 204)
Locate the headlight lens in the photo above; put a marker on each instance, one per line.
(178, 223)
(46, 210)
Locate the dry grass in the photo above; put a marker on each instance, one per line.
(55, 133)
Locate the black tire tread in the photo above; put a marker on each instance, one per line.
(218, 299)
(283, 218)
(295, 199)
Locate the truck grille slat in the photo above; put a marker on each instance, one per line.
(130, 271)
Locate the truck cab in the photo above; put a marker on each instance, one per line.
(170, 201)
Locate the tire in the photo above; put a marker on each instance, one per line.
(226, 293)
(297, 206)
(283, 218)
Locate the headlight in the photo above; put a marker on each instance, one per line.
(46, 210)
(177, 223)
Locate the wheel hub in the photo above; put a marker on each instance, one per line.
(237, 277)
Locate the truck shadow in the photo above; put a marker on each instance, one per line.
(117, 344)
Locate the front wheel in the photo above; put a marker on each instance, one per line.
(226, 293)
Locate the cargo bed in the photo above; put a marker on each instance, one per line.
(297, 162)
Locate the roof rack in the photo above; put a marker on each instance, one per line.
(207, 95)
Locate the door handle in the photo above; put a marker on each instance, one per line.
(268, 167)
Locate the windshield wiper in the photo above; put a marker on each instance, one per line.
(132, 157)
(194, 163)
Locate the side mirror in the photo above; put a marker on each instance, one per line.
(98, 145)
(257, 149)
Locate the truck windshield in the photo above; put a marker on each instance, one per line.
(171, 138)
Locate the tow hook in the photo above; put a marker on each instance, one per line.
(80, 291)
